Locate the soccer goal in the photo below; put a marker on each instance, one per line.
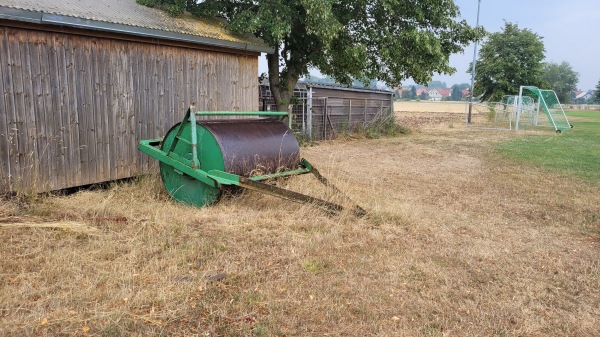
(533, 107)
(546, 101)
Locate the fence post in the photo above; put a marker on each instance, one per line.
(537, 112)
(365, 122)
(325, 118)
(303, 117)
(349, 114)
(519, 108)
(309, 110)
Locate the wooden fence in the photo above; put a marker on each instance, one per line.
(581, 106)
(331, 115)
(323, 112)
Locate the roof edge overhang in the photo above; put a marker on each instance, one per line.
(69, 21)
(344, 88)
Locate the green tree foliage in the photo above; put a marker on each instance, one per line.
(596, 96)
(507, 60)
(317, 79)
(436, 84)
(456, 94)
(173, 7)
(561, 78)
(371, 84)
(409, 93)
(463, 86)
(383, 40)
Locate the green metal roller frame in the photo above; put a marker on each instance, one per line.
(202, 186)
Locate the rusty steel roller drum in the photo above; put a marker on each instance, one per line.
(254, 147)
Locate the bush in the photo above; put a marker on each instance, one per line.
(383, 126)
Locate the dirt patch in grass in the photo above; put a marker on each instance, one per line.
(458, 242)
(430, 106)
(418, 120)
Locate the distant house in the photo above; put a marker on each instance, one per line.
(86, 80)
(420, 91)
(438, 94)
(584, 96)
(435, 94)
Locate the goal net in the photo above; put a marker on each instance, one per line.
(503, 115)
(533, 107)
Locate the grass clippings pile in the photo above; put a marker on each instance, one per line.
(459, 241)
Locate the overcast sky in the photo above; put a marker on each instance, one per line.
(569, 30)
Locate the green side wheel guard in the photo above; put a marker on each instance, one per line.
(183, 187)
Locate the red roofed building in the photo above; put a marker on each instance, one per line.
(422, 90)
(438, 94)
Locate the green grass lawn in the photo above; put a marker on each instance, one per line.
(575, 152)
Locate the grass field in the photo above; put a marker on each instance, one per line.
(465, 237)
(577, 152)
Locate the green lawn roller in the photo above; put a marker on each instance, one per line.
(199, 159)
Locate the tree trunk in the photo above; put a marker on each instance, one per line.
(282, 87)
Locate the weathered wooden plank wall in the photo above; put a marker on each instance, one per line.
(73, 108)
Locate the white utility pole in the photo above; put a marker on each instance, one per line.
(473, 67)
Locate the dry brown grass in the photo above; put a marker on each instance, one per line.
(459, 242)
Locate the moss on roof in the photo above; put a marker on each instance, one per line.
(130, 13)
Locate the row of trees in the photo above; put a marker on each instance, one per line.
(515, 57)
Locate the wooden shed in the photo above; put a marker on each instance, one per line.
(82, 81)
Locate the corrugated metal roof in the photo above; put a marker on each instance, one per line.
(336, 86)
(118, 15)
(304, 84)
